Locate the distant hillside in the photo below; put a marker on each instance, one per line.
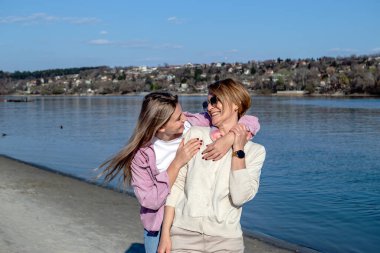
(326, 75)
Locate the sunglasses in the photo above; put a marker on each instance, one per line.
(213, 101)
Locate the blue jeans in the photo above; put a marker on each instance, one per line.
(151, 240)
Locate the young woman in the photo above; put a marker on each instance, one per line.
(207, 197)
(151, 160)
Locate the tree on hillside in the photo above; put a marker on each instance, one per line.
(197, 75)
(300, 76)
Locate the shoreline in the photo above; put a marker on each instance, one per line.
(104, 207)
(254, 94)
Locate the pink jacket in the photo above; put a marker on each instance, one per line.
(152, 187)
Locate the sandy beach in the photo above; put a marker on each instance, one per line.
(42, 211)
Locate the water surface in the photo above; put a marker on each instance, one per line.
(320, 185)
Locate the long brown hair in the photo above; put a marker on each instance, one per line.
(229, 90)
(156, 110)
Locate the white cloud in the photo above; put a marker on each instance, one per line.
(80, 21)
(39, 18)
(128, 44)
(135, 44)
(34, 18)
(377, 49)
(103, 32)
(100, 42)
(175, 20)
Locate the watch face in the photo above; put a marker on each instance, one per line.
(240, 153)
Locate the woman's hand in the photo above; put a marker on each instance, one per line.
(218, 148)
(165, 245)
(186, 151)
(240, 140)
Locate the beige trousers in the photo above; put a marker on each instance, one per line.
(189, 241)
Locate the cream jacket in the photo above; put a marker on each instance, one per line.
(208, 196)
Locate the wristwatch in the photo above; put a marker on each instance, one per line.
(239, 154)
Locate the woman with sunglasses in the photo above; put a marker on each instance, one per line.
(203, 210)
(155, 152)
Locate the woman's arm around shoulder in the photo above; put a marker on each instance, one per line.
(251, 122)
(203, 119)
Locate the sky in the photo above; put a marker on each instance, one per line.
(49, 34)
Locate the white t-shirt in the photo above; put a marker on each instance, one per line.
(165, 151)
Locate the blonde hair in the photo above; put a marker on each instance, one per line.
(229, 91)
(156, 110)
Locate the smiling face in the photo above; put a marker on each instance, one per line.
(231, 93)
(221, 113)
(174, 127)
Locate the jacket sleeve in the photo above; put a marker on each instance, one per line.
(150, 190)
(251, 122)
(244, 183)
